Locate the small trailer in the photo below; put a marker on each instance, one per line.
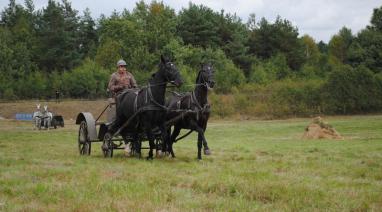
(57, 121)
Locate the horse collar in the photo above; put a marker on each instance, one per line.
(148, 91)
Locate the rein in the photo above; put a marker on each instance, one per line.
(163, 107)
(152, 98)
(196, 84)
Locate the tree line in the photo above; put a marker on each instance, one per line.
(59, 48)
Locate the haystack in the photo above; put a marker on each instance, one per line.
(318, 129)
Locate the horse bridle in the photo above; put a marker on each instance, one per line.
(209, 75)
(169, 70)
(148, 91)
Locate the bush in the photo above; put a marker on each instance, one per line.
(352, 90)
(290, 97)
(266, 71)
(227, 75)
(34, 86)
(260, 75)
(222, 105)
(279, 99)
(9, 94)
(87, 81)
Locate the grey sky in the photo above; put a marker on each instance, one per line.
(321, 19)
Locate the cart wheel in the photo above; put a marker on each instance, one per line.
(55, 124)
(84, 144)
(107, 146)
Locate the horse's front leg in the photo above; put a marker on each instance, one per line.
(206, 149)
(163, 147)
(200, 131)
(201, 138)
(151, 139)
(172, 140)
(166, 143)
(137, 145)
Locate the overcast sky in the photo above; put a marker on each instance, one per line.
(319, 18)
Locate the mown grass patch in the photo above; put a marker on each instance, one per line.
(255, 165)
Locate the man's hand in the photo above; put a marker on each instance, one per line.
(125, 81)
(118, 88)
(122, 87)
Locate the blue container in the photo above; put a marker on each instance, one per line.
(24, 116)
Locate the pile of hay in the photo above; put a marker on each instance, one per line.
(318, 129)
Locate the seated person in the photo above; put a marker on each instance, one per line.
(121, 79)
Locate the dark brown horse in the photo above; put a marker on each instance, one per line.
(191, 111)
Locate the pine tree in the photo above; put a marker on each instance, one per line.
(87, 35)
(198, 26)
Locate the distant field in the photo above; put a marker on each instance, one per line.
(255, 165)
(67, 108)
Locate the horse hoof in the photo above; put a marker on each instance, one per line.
(127, 151)
(207, 152)
(159, 154)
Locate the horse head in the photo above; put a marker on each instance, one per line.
(38, 107)
(206, 76)
(45, 108)
(170, 71)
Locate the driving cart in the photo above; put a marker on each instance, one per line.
(93, 130)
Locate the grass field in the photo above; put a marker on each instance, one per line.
(255, 165)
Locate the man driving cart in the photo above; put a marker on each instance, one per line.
(119, 81)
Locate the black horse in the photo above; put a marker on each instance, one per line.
(191, 110)
(141, 111)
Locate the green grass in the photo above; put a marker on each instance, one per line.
(255, 165)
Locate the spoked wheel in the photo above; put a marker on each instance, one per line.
(84, 144)
(107, 146)
(54, 124)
